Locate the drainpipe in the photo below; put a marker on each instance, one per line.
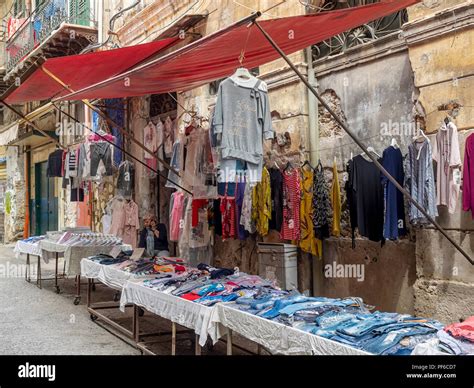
(313, 128)
(313, 147)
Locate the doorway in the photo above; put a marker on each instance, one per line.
(45, 202)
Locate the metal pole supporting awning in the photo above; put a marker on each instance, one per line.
(362, 145)
(217, 55)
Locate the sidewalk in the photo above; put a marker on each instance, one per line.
(34, 321)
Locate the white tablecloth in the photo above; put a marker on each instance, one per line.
(181, 311)
(274, 336)
(107, 274)
(23, 248)
(72, 254)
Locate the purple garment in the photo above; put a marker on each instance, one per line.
(239, 200)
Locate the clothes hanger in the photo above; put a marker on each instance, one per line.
(371, 150)
(307, 163)
(394, 143)
(288, 165)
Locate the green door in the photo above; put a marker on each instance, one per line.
(79, 11)
(46, 204)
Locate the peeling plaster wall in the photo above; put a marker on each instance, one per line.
(442, 58)
(377, 105)
(15, 219)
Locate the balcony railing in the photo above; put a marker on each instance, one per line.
(359, 35)
(41, 24)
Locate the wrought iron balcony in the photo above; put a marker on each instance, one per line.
(49, 19)
(359, 35)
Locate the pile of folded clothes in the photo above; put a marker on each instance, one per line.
(347, 321)
(455, 339)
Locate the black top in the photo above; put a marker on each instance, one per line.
(55, 164)
(161, 243)
(351, 199)
(276, 185)
(369, 198)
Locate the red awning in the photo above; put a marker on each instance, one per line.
(80, 71)
(217, 55)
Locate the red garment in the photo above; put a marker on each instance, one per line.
(196, 205)
(63, 166)
(228, 218)
(463, 330)
(179, 268)
(95, 137)
(290, 228)
(190, 296)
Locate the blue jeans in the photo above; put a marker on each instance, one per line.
(366, 326)
(388, 340)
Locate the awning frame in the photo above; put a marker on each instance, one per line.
(252, 19)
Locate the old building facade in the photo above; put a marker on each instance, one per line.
(391, 75)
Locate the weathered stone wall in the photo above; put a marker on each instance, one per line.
(376, 105)
(387, 273)
(15, 217)
(440, 49)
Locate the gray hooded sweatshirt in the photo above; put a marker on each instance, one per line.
(243, 118)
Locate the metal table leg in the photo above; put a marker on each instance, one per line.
(38, 275)
(229, 342)
(197, 346)
(77, 299)
(173, 339)
(135, 324)
(27, 271)
(89, 287)
(56, 274)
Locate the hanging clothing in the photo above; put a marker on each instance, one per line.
(117, 208)
(177, 163)
(263, 203)
(176, 215)
(308, 242)
(126, 178)
(468, 176)
(336, 202)
(71, 164)
(168, 136)
(115, 110)
(101, 152)
(394, 225)
(200, 235)
(239, 199)
(131, 223)
(290, 229)
(369, 198)
(228, 217)
(242, 117)
(150, 141)
(246, 217)
(321, 204)
(217, 217)
(419, 181)
(351, 199)
(276, 185)
(447, 155)
(55, 164)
